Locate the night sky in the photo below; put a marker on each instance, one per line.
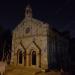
(58, 13)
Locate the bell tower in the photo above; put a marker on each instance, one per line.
(28, 12)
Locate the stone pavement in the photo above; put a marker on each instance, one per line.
(21, 71)
(28, 71)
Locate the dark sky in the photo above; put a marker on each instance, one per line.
(59, 13)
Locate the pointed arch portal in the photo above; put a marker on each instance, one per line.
(29, 57)
(33, 58)
(25, 57)
(20, 57)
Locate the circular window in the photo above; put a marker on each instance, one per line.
(28, 30)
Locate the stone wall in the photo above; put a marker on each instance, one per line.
(31, 35)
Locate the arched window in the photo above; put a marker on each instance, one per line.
(33, 58)
(20, 57)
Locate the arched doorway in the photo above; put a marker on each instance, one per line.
(33, 58)
(25, 57)
(19, 56)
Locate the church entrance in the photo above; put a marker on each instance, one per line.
(19, 56)
(24, 58)
(33, 58)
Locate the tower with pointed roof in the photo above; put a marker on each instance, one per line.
(28, 12)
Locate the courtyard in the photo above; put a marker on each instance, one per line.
(11, 70)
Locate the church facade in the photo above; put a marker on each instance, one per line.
(32, 42)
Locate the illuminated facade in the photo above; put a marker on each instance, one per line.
(33, 43)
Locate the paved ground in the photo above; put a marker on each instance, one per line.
(21, 71)
(28, 71)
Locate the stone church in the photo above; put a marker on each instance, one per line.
(31, 46)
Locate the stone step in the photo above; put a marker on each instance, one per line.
(29, 71)
(22, 71)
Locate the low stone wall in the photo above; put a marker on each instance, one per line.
(2, 68)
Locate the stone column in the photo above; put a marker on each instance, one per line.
(15, 59)
(27, 59)
(23, 59)
(12, 57)
(37, 60)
